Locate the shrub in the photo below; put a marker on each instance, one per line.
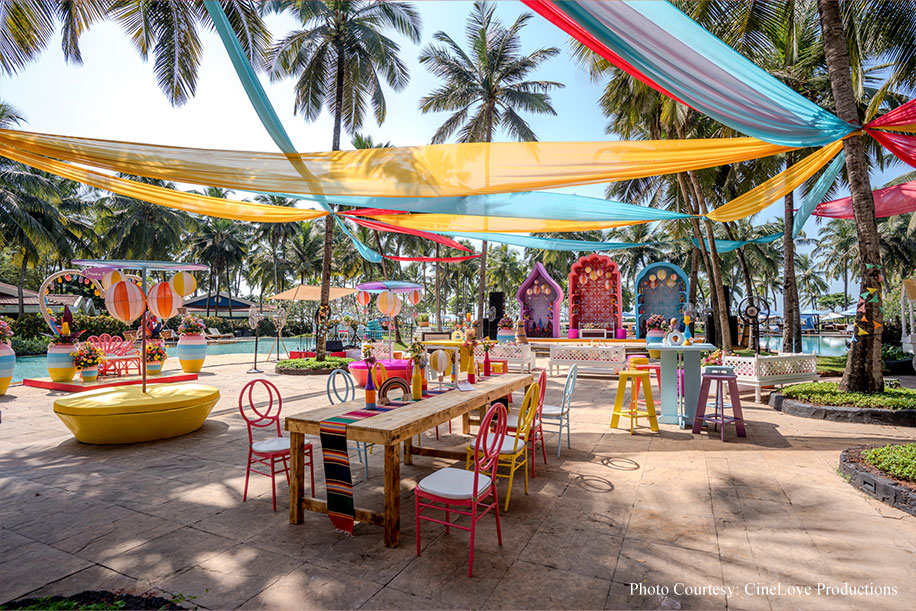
(331, 362)
(828, 393)
(30, 326)
(898, 461)
(26, 347)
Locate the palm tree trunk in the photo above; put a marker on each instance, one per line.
(863, 366)
(438, 295)
(791, 311)
(229, 291)
(752, 339)
(694, 275)
(21, 285)
(218, 278)
(845, 284)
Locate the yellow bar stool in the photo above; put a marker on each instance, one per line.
(637, 380)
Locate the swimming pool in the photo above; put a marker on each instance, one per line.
(35, 367)
(822, 345)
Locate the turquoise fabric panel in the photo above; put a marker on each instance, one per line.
(541, 243)
(723, 246)
(816, 194)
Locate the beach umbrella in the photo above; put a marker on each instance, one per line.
(183, 284)
(163, 301)
(125, 301)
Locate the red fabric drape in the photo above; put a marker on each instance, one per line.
(435, 237)
(899, 199)
(901, 145)
(433, 259)
(902, 116)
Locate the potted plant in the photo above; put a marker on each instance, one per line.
(506, 330)
(7, 356)
(423, 320)
(61, 349)
(656, 328)
(192, 347)
(155, 358)
(87, 359)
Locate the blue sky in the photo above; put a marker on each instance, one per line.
(114, 95)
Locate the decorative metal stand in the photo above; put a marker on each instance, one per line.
(254, 317)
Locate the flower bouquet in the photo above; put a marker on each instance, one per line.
(155, 357)
(87, 359)
(61, 367)
(657, 322)
(716, 358)
(417, 354)
(191, 325)
(6, 332)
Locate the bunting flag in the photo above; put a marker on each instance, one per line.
(903, 146)
(777, 187)
(901, 119)
(661, 46)
(889, 201)
(816, 195)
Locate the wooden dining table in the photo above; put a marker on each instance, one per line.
(391, 429)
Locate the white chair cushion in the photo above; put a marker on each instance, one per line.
(452, 483)
(508, 446)
(512, 421)
(274, 444)
(552, 410)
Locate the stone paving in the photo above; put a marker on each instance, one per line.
(654, 520)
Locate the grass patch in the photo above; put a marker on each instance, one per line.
(832, 365)
(827, 393)
(330, 362)
(898, 461)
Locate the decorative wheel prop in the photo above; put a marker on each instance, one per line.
(754, 311)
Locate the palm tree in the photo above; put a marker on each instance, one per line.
(839, 243)
(9, 116)
(166, 28)
(810, 281)
(276, 234)
(343, 50)
(485, 87)
(220, 243)
(506, 272)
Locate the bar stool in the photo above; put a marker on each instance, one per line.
(636, 379)
(642, 363)
(721, 376)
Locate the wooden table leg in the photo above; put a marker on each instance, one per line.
(408, 455)
(466, 423)
(296, 476)
(392, 495)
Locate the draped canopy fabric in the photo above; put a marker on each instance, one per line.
(484, 224)
(544, 243)
(890, 201)
(436, 170)
(816, 194)
(723, 246)
(773, 189)
(901, 119)
(670, 50)
(901, 145)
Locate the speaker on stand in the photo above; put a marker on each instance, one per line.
(495, 312)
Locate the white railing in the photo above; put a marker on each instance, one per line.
(604, 358)
(760, 371)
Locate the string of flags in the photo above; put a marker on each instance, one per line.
(869, 295)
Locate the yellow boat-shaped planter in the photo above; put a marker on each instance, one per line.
(124, 414)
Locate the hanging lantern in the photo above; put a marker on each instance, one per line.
(386, 303)
(583, 280)
(125, 301)
(363, 298)
(163, 301)
(68, 277)
(111, 278)
(440, 361)
(414, 296)
(537, 289)
(607, 285)
(593, 276)
(662, 274)
(529, 292)
(183, 284)
(588, 269)
(398, 304)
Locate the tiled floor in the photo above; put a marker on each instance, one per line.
(619, 522)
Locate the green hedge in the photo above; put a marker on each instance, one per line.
(896, 460)
(828, 393)
(331, 362)
(26, 347)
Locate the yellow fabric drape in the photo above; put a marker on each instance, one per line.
(438, 170)
(777, 187)
(189, 202)
(491, 224)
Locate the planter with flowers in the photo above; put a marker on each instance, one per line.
(7, 356)
(155, 359)
(87, 359)
(656, 328)
(506, 330)
(192, 347)
(423, 320)
(62, 348)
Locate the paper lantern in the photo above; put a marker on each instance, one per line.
(163, 301)
(386, 303)
(183, 284)
(440, 361)
(414, 296)
(125, 301)
(592, 275)
(397, 307)
(363, 298)
(111, 278)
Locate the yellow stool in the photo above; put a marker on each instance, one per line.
(632, 411)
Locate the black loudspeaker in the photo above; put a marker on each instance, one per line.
(493, 314)
(728, 298)
(711, 336)
(334, 345)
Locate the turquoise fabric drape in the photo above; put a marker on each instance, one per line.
(542, 243)
(816, 194)
(730, 245)
(265, 110)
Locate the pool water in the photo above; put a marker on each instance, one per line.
(821, 345)
(35, 366)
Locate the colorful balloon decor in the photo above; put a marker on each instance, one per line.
(163, 301)
(363, 298)
(125, 301)
(183, 284)
(387, 302)
(111, 278)
(414, 297)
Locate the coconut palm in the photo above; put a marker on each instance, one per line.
(276, 235)
(485, 87)
(219, 242)
(839, 252)
(810, 282)
(337, 59)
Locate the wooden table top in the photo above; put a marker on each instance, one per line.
(404, 422)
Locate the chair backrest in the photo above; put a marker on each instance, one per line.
(111, 345)
(570, 386)
(338, 377)
(486, 456)
(526, 417)
(261, 417)
(542, 391)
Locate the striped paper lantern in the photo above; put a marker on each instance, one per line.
(363, 298)
(125, 301)
(387, 303)
(111, 278)
(183, 284)
(163, 301)
(398, 304)
(414, 296)
(440, 361)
